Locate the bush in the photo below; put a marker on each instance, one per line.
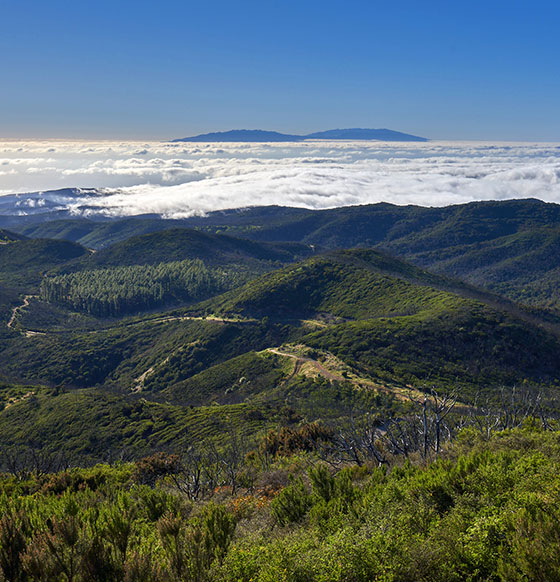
(292, 503)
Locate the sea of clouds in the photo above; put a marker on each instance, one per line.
(181, 179)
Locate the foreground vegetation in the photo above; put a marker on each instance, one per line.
(486, 509)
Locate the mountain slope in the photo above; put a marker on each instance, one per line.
(95, 425)
(181, 243)
(23, 262)
(259, 135)
(398, 323)
(367, 134)
(241, 135)
(349, 284)
(97, 235)
(506, 246)
(524, 265)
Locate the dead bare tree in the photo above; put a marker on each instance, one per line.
(432, 411)
(233, 461)
(441, 408)
(401, 436)
(189, 480)
(359, 443)
(513, 408)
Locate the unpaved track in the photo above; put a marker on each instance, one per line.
(300, 360)
(359, 383)
(170, 318)
(17, 309)
(165, 319)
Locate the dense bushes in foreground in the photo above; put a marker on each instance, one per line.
(485, 510)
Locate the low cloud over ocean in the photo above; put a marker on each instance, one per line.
(181, 179)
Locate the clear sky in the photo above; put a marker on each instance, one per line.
(444, 69)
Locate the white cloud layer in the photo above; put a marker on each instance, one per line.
(177, 180)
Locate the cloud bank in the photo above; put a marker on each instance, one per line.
(178, 180)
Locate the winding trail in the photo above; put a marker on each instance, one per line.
(399, 393)
(17, 309)
(170, 318)
(300, 360)
(157, 320)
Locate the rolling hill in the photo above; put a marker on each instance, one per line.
(178, 244)
(399, 323)
(23, 262)
(384, 318)
(508, 247)
(333, 332)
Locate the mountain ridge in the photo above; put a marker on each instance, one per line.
(259, 135)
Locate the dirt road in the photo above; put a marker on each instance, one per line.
(17, 309)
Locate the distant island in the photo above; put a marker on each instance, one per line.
(259, 135)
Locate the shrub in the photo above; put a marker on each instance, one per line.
(292, 503)
(157, 465)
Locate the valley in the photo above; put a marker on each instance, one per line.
(254, 381)
(192, 317)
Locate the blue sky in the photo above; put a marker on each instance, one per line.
(122, 69)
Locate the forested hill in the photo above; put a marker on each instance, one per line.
(23, 262)
(6, 236)
(352, 284)
(182, 243)
(171, 267)
(408, 228)
(97, 235)
(509, 247)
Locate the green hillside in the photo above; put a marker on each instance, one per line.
(409, 227)
(466, 345)
(93, 425)
(120, 354)
(95, 234)
(23, 262)
(506, 246)
(346, 284)
(412, 327)
(524, 266)
(7, 236)
(381, 316)
(178, 244)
